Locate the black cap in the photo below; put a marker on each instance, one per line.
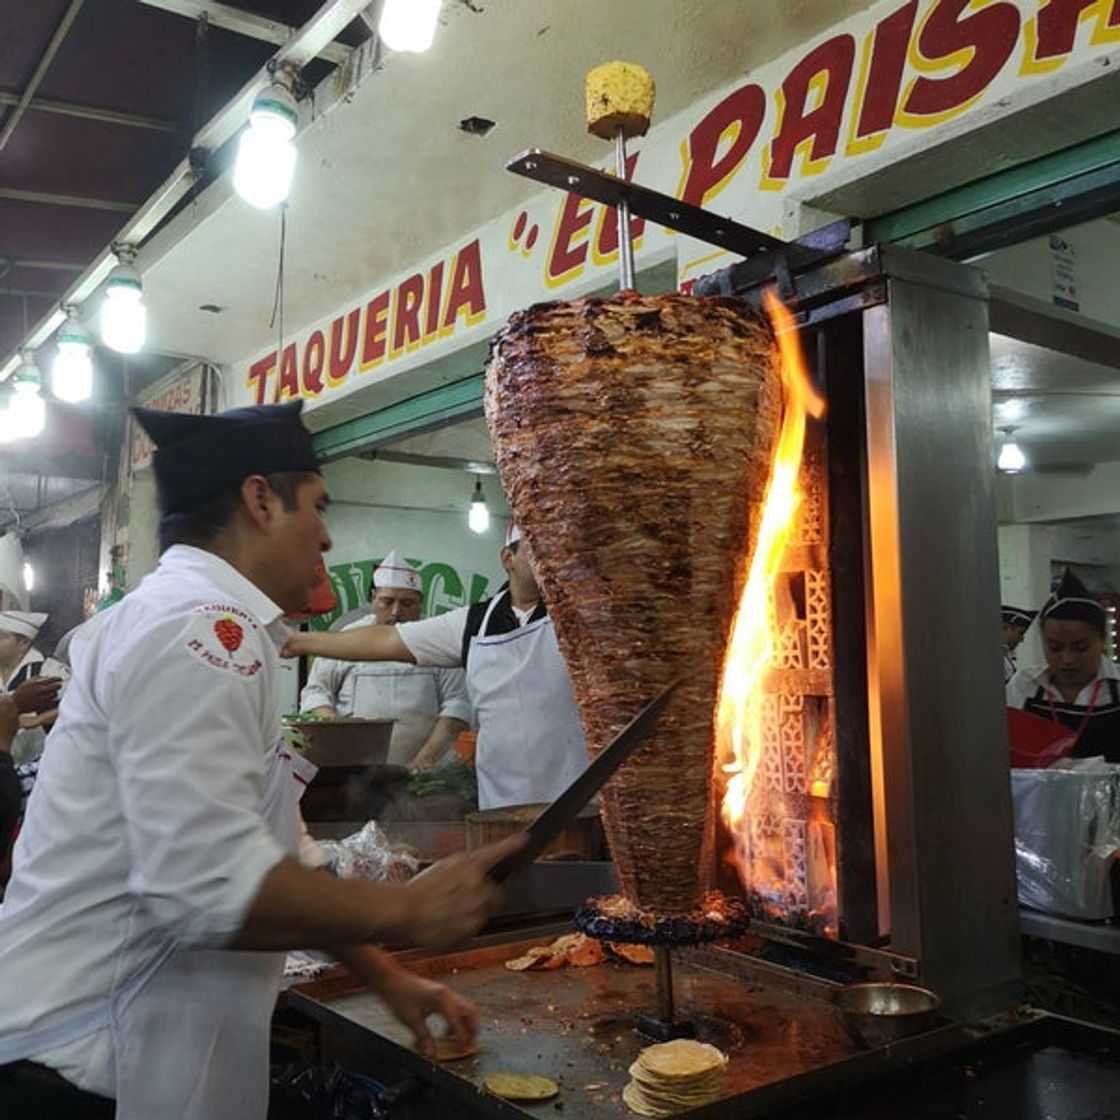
(199, 457)
(1017, 616)
(1072, 601)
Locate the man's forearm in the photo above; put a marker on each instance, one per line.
(446, 730)
(297, 908)
(363, 643)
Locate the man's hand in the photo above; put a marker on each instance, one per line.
(455, 896)
(411, 998)
(39, 694)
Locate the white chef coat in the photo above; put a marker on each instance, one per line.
(413, 695)
(144, 838)
(1026, 682)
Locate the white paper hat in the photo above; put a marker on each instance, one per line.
(395, 571)
(25, 623)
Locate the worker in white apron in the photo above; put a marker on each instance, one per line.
(530, 743)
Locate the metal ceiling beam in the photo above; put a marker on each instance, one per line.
(32, 262)
(41, 69)
(92, 113)
(300, 49)
(245, 23)
(48, 198)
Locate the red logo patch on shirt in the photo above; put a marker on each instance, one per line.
(229, 633)
(218, 635)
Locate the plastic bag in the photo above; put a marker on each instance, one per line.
(367, 854)
(318, 1093)
(1067, 831)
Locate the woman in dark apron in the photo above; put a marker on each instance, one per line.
(1080, 687)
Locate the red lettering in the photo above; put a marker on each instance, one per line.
(376, 328)
(742, 111)
(832, 59)
(884, 76)
(289, 374)
(987, 37)
(569, 247)
(465, 291)
(313, 364)
(344, 341)
(259, 373)
(408, 299)
(606, 238)
(433, 300)
(1057, 25)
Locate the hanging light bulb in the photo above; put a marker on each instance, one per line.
(28, 576)
(408, 25)
(1011, 458)
(72, 369)
(124, 318)
(27, 414)
(266, 156)
(478, 517)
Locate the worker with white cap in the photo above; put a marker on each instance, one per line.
(20, 662)
(19, 659)
(530, 743)
(428, 703)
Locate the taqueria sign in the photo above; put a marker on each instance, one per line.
(874, 89)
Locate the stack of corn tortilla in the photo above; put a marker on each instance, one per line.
(673, 1077)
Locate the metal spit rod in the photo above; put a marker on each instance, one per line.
(625, 241)
(663, 978)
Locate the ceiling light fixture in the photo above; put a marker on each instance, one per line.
(72, 369)
(408, 25)
(1011, 458)
(27, 413)
(478, 517)
(266, 156)
(124, 318)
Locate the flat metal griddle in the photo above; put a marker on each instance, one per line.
(577, 1027)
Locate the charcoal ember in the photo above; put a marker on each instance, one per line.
(634, 437)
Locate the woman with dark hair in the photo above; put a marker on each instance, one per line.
(1078, 687)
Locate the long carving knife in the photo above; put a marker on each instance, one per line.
(557, 816)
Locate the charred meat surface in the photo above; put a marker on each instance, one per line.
(634, 437)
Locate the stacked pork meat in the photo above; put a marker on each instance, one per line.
(634, 437)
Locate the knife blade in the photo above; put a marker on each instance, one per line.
(561, 812)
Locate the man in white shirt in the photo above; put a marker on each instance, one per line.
(164, 829)
(428, 703)
(530, 743)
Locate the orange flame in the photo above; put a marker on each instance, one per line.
(739, 713)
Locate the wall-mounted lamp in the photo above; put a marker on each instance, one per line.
(1011, 458)
(124, 319)
(26, 412)
(478, 517)
(266, 156)
(408, 25)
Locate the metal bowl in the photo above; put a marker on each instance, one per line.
(878, 1013)
(345, 741)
